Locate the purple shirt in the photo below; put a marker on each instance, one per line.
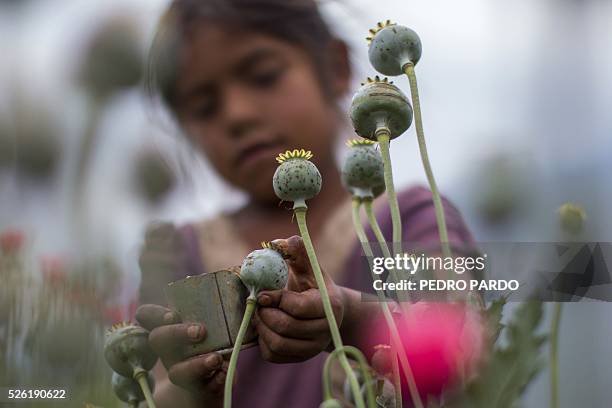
(264, 384)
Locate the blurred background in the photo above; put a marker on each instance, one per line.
(516, 99)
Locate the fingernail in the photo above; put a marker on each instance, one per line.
(214, 361)
(264, 300)
(169, 317)
(194, 331)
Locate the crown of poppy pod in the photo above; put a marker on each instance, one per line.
(294, 154)
(379, 26)
(380, 104)
(296, 179)
(359, 142)
(392, 46)
(363, 169)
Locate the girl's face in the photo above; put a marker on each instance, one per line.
(244, 97)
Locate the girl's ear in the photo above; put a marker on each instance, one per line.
(340, 68)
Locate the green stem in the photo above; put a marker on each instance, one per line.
(380, 386)
(140, 376)
(394, 333)
(397, 385)
(554, 355)
(381, 297)
(414, 91)
(251, 304)
(300, 215)
(367, 204)
(363, 366)
(384, 140)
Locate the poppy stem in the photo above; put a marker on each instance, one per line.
(300, 215)
(363, 366)
(440, 218)
(251, 305)
(367, 204)
(391, 324)
(384, 141)
(140, 375)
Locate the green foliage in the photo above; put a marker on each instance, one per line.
(493, 316)
(511, 367)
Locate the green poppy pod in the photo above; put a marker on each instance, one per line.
(297, 179)
(127, 347)
(348, 395)
(378, 190)
(363, 169)
(330, 403)
(112, 60)
(127, 389)
(264, 269)
(380, 104)
(392, 46)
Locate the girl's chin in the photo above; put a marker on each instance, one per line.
(263, 199)
(254, 171)
(260, 190)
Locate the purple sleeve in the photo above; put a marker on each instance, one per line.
(193, 257)
(168, 254)
(419, 224)
(419, 228)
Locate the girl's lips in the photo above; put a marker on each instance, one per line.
(258, 152)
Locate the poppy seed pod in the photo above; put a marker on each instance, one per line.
(392, 46)
(112, 60)
(363, 169)
(154, 176)
(331, 403)
(382, 360)
(264, 269)
(380, 104)
(127, 389)
(297, 179)
(378, 190)
(127, 348)
(347, 389)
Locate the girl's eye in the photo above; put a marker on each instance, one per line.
(267, 78)
(205, 109)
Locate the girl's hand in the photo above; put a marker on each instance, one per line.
(204, 375)
(291, 322)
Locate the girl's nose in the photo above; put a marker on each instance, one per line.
(239, 110)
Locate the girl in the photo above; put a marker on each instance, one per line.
(246, 80)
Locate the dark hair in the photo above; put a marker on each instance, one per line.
(296, 21)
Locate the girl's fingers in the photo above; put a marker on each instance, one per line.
(151, 316)
(300, 305)
(216, 383)
(167, 340)
(196, 371)
(301, 276)
(288, 326)
(268, 355)
(277, 348)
